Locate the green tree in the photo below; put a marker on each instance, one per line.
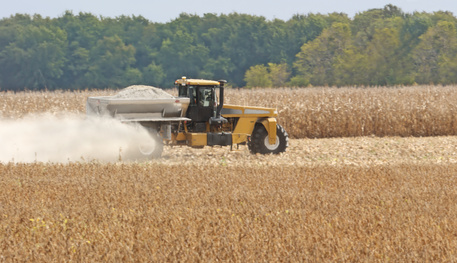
(382, 66)
(315, 62)
(218, 68)
(258, 76)
(378, 47)
(273, 75)
(246, 44)
(350, 67)
(301, 29)
(83, 32)
(182, 55)
(279, 74)
(34, 59)
(414, 26)
(153, 74)
(111, 60)
(436, 53)
(365, 24)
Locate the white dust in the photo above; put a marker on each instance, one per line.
(75, 138)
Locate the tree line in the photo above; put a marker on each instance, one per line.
(376, 47)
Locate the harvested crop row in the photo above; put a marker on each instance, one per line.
(156, 212)
(357, 151)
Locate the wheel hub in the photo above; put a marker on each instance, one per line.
(269, 146)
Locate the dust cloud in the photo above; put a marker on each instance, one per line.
(67, 138)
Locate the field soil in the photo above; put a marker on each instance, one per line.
(355, 151)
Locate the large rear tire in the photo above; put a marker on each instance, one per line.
(260, 144)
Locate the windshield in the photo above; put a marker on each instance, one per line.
(203, 96)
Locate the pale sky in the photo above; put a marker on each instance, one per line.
(166, 10)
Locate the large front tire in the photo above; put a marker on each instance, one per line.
(260, 144)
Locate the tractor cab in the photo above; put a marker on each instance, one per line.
(203, 105)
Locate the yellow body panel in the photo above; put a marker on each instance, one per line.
(249, 116)
(196, 139)
(238, 138)
(179, 137)
(245, 125)
(200, 139)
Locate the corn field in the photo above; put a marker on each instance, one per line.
(305, 113)
(389, 197)
(348, 112)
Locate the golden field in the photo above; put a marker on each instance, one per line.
(261, 211)
(359, 198)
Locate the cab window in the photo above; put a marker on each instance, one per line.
(182, 91)
(205, 96)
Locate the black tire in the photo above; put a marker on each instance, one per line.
(259, 140)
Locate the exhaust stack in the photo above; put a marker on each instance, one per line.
(221, 98)
(218, 120)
